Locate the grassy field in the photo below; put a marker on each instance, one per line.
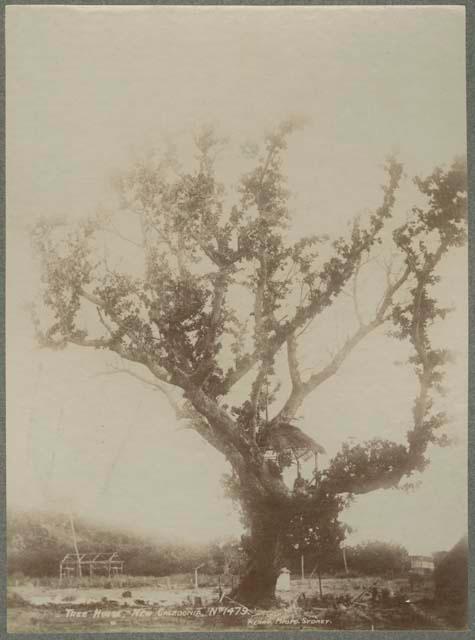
(182, 580)
(158, 604)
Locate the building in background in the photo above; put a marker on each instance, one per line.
(422, 565)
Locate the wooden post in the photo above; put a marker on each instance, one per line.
(75, 544)
(344, 560)
(302, 566)
(196, 575)
(267, 400)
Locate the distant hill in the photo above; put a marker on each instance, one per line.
(37, 541)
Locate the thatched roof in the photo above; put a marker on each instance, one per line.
(284, 437)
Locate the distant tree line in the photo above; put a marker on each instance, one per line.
(369, 558)
(37, 542)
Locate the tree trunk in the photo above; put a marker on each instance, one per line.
(257, 585)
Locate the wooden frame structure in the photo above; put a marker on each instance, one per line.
(91, 564)
(422, 565)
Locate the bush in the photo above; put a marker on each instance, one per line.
(14, 600)
(378, 558)
(451, 574)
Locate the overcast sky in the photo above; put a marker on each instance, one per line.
(87, 87)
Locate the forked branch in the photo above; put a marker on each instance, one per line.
(300, 390)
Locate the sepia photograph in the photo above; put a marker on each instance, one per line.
(236, 318)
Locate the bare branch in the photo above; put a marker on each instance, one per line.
(104, 322)
(118, 234)
(95, 343)
(355, 294)
(92, 298)
(302, 390)
(293, 362)
(156, 385)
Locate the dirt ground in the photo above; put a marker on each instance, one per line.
(345, 605)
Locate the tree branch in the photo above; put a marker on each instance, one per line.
(256, 391)
(334, 275)
(355, 295)
(118, 234)
(179, 413)
(132, 355)
(302, 389)
(293, 362)
(95, 343)
(206, 347)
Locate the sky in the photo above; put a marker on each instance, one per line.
(90, 87)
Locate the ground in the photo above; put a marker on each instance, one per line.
(346, 604)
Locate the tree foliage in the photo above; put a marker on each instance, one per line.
(378, 558)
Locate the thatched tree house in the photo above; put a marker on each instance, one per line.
(287, 438)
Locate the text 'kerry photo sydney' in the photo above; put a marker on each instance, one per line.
(236, 318)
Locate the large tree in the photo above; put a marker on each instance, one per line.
(206, 296)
